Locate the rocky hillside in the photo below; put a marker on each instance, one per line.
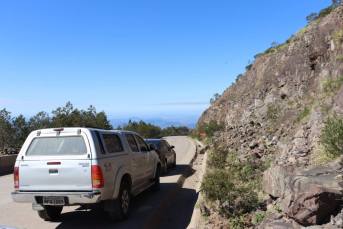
(271, 98)
(276, 112)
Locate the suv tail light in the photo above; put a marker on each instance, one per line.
(158, 152)
(16, 177)
(97, 178)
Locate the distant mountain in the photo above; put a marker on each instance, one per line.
(190, 122)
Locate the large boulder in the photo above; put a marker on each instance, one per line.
(314, 205)
(274, 180)
(297, 183)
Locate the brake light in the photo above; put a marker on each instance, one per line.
(54, 163)
(97, 178)
(16, 177)
(158, 152)
(58, 129)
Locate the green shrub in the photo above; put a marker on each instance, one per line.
(260, 217)
(306, 112)
(325, 12)
(302, 31)
(332, 136)
(338, 36)
(326, 109)
(239, 77)
(248, 67)
(270, 50)
(235, 187)
(207, 128)
(217, 160)
(240, 222)
(273, 112)
(290, 103)
(330, 86)
(277, 208)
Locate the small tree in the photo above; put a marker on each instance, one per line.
(311, 17)
(5, 127)
(336, 2)
(216, 96)
(275, 44)
(239, 77)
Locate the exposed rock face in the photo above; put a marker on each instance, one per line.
(311, 207)
(259, 110)
(273, 113)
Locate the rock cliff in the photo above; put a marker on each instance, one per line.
(276, 112)
(279, 100)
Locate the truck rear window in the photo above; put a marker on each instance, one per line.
(57, 146)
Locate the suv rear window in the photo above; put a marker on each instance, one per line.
(112, 143)
(57, 146)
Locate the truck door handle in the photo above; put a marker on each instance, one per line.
(134, 159)
(144, 157)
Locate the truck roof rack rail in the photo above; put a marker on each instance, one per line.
(94, 127)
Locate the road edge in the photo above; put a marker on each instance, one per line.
(196, 216)
(162, 208)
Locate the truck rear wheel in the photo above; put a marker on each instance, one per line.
(123, 203)
(50, 212)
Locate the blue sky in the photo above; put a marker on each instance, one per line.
(151, 58)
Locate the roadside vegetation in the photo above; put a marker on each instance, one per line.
(14, 130)
(231, 187)
(206, 128)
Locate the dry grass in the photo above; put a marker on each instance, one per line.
(319, 156)
(301, 32)
(338, 36)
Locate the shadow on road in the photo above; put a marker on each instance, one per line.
(143, 207)
(178, 170)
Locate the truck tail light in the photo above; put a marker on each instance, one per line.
(97, 178)
(16, 177)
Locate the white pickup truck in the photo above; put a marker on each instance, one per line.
(81, 166)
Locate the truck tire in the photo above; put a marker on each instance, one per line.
(123, 203)
(156, 187)
(50, 212)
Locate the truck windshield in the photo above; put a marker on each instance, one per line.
(57, 146)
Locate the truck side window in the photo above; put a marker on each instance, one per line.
(112, 143)
(132, 142)
(102, 150)
(142, 145)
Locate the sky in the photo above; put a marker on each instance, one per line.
(135, 58)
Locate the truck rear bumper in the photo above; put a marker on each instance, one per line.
(71, 197)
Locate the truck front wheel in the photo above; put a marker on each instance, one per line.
(123, 203)
(50, 212)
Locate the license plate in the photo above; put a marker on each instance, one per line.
(53, 200)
